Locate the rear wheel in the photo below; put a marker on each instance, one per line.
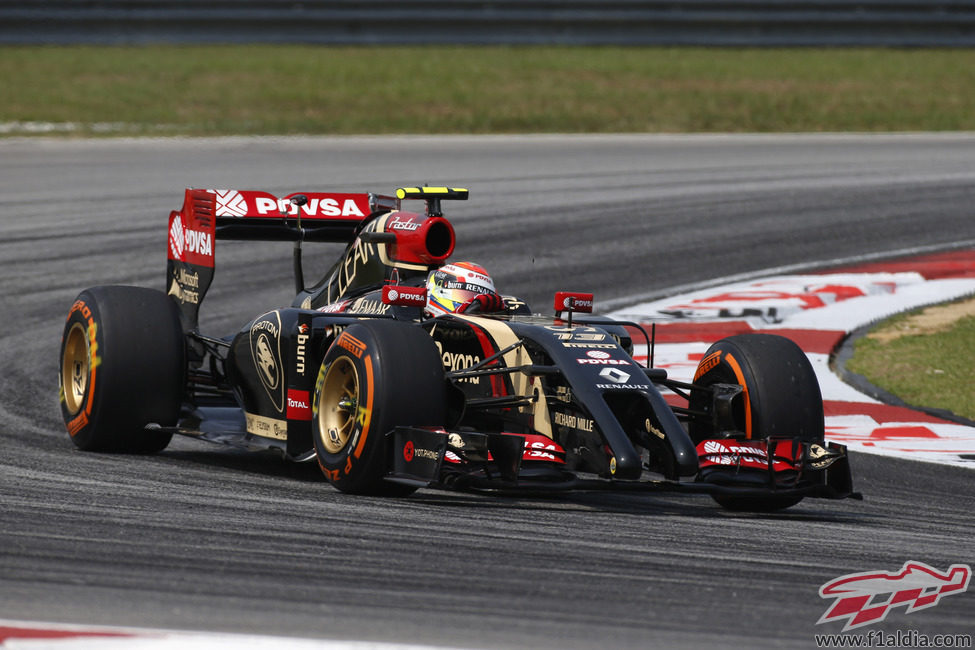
(780, 397)
(122, 367)
(375, 376)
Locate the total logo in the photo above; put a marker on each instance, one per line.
(299, 407)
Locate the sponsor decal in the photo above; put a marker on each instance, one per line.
(189, 245)
(718, 453)
(565, 300)
(459, 361)
(602, 346)
(334, 307)
(624, 386)
(408, 451)
(405, 296)
(601, 360)
(579, 334)
(543, 449)
(707, 363)
(266, 427)
(301, 341)
(572, 421)
(398, 223)
(176, 238)
(320, 207)
(299, 405)
(563, 394)
(615, 375)
(265, 341)
(351, 343)
(741, 453)
(185, 287)
(368, 306)
(230, 203)
(428, 454)
(866, 598)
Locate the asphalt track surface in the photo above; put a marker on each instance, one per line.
(204, 538)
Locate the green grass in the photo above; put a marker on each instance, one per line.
(933, 368)
(221, 90)
(227, 90)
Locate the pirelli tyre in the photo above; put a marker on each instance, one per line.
(375, 376)
(780, 397)
(122, 368)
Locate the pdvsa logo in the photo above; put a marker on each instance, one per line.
(184, 241)
(229, 203)
(327, 207)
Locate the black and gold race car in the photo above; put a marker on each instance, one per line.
(358, 375)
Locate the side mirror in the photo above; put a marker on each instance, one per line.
(405, 296)
(571, 301)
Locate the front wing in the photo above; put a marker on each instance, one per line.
(507, 462)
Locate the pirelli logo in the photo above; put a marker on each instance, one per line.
(707, 363)
(351, 343)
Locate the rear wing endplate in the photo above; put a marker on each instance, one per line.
(208, 215)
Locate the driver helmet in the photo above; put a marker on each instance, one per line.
(454, 285)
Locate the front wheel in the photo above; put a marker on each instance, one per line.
(780, 397)
(376, 375)
(122, 367)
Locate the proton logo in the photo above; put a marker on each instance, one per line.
(265, 362)
(265, 344)
(230, 204)
(614, 375)
(866, 598)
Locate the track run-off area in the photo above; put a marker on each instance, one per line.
(814, 236)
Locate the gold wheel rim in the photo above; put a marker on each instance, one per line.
(75, 368)
(339, 405)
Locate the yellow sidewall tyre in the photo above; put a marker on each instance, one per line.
(122, 368)
(375, 376)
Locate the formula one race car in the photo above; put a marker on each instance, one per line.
(398, 370)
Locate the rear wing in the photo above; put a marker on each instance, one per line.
(208, 215)
(320, 216)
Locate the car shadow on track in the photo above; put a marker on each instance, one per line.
(689, 506)
(646, 503)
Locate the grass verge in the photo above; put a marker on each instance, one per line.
(222, 90)
(925, 357)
